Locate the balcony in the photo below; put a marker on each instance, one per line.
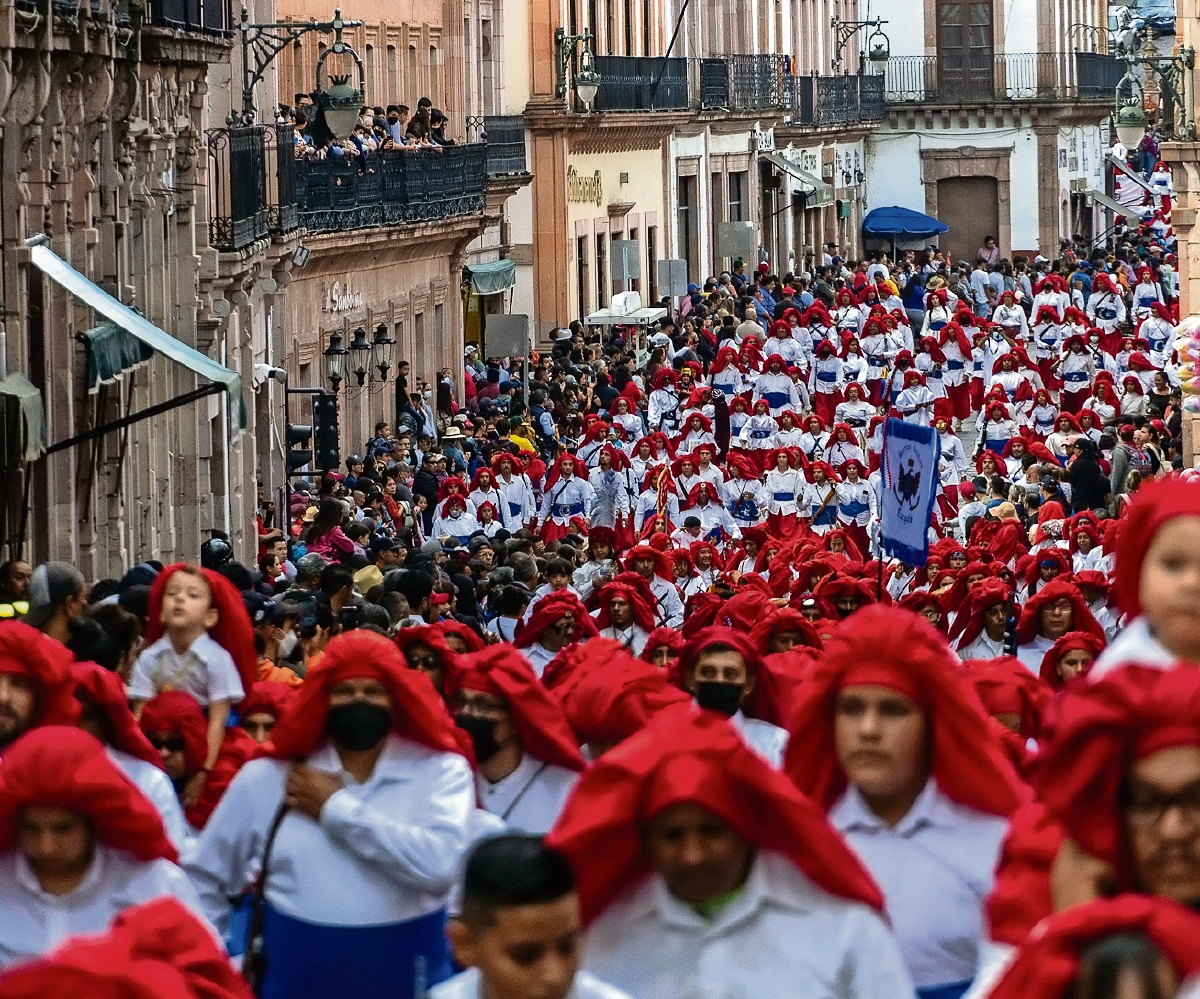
(1028, 76)
(505, 138)
(257, 189)
(824, 101)
(211, 16)
(745, 83)
(392, 187)
(638, 83)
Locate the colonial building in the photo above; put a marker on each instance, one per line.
(993, 119)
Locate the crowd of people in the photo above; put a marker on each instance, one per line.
(379, 129)
(610, 688)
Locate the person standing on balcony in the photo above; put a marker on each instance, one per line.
(989, 253)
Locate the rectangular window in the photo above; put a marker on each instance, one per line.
(393, 72)
(689, 222)
(964, 42)
(627, 14)
(581, 273)
(715, 210)
(652, 261)
(737, 191)
(636, 284)
(603, 291)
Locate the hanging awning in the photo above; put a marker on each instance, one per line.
(63, 274)
(112, 352)
(817, 194)
(29, 402)
(902, 224)
(491, 278)
(1104, 201)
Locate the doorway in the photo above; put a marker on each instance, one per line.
(970, 206)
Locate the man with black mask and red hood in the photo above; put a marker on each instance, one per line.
(358, 820)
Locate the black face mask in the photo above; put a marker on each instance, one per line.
(716, 696)
(482, 733)
(358, 726)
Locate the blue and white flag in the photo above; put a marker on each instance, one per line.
(910, 479)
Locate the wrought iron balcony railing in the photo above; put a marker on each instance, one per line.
(638, 83)
(954, 78)
(505, 138)
(392, 187)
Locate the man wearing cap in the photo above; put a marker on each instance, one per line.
(366, 831)
(528, 758)
(57, 593)
(702, 871)
(386, 553)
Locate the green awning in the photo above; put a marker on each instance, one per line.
(103, 304)
(492, 278)
(29, 402)
(111, 352)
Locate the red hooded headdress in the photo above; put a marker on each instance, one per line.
(62, 767)
(25, 651)
(178, 711)
(418, 712)
(898, 649)
(1070, 642)
(538, 718)
(550, 610)
(1154, 504)
(1029, 623)
(614, 699)
(105, 690)
(699, 759)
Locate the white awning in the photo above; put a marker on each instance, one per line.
(640, 317)
(1105, 201)
(63, 274)
(817, 194)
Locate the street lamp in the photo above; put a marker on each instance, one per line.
(360, 353)
(877, 42)
(587, 80)
(1130, 124)
(381, 354)
(335, 361)
(261, 43)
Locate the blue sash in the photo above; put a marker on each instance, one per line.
(826, 518)
(746, 510)
(1075, 376)
(854, 508)
(977, 367)
(877, 360)
(783, 497)
(239, 925)
(514, 509)
(998, 446)
(1108, 312)
(955, 365)
(567, 509)
(934, 374)
(395, 961)
(937, 325)
(1145, 301)
(953, 991)
(827, 376)
(776, 400)
(761, 435)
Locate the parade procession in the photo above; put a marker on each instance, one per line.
(704, 506)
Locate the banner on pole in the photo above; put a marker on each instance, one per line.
(910, 479)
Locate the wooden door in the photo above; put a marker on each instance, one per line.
(970, 206)
(964, 40)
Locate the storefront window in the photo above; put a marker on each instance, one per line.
(652, 261)
(581, 273)
(737, 183)
(603, 291)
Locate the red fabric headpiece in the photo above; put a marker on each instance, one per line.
(618, 697)
(1020, 897)
(156, 950)
(643, 612)
(178, 711)
(104, 689)
(700, 759)
(61, 767)
(1153, 505)
(269, 698)
(417, 711)
(550, 610)
(968, 761)
(1070, 642)
(432, 635)
(784, 619)
(669, 637)
(538, 718)
(1103, 726)
(1004, 685)
(25, 651)
(1047, 963)
(1030, 621)
(234, 631)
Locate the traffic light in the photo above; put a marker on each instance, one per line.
(325, 420)
(298, 453)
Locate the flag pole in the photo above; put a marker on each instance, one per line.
(879, 527)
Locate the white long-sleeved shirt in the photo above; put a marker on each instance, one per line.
(154, 783)
(519, 505)
(469, 985)
(780, 936)
(935, 868)
(764, 739)
(530, 798)
(33, 921)
(384, 851)
(567, 498)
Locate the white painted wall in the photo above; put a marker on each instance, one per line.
(894, 171)
(905, 26)
(520, 220)
(1023, 191)
(1020, 26)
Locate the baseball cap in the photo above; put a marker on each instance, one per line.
(50, 585)
(438, 599)
(262, 609)
(311, 565)
(379, 543)
(431, 547)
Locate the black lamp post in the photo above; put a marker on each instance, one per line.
(335, 361)
(360, 353)
(381, 350)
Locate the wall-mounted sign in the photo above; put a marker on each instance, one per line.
(585, 190)
(341, 299)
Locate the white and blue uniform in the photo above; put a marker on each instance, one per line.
(355, 901)
(567, 498)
